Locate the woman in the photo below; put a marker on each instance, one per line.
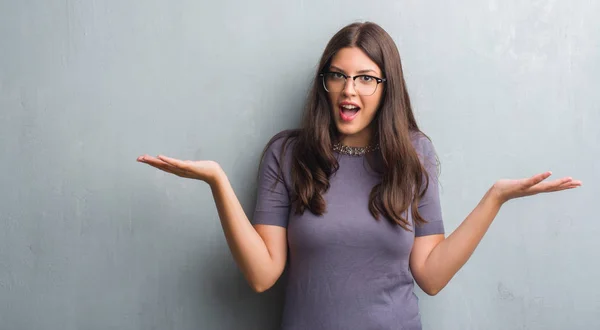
(353, 195)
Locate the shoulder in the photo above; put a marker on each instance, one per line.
(282, 140)
(279, 148)
(422, 144)
(425, 151)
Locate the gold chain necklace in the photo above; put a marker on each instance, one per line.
(353, 151)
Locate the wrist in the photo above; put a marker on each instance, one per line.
(217, 177)
(495, 196)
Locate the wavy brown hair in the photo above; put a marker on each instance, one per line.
(313, 160)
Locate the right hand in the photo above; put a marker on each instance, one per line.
(205, 170)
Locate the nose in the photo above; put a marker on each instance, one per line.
(349, 89)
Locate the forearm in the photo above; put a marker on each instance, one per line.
(452, 253)
(247, 247)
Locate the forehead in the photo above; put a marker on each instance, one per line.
(352, 60)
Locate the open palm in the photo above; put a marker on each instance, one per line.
(205, 170)
(508, 189)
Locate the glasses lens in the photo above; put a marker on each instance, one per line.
(365, 85)
(334, 82)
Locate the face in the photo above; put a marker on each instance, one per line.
(353, 112)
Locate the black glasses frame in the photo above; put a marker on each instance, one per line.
(377, 79)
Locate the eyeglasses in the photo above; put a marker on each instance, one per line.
(335, 82)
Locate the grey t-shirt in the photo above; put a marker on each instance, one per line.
(346, 269)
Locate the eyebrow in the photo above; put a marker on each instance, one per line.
(359, 72)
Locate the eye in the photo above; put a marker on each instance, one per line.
(367, 79)
(337, 75)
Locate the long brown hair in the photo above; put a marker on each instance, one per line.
(313, 160)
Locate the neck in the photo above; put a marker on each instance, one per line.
(360, 140)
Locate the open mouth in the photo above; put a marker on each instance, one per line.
(348, 111)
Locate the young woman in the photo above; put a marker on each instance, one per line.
(353, 196)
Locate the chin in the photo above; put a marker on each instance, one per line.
(349, 128)
(347, 131)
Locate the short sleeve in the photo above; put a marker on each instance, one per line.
(429, 206)
(272, 198)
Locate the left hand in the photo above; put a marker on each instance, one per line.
(506, 189)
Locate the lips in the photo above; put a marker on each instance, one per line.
(348, 111)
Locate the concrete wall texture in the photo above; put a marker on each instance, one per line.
(90, 239)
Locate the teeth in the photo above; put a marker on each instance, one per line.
(349, 107)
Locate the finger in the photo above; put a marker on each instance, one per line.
(143, 158)
(165, 167)
(174, 162)
(558, 185)
(536, 179)
(146, 158)
(185, 168)
(151, 160)
(161, 165)
(570, 185)
(561, 188)
(550, 185)
(561, 181)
